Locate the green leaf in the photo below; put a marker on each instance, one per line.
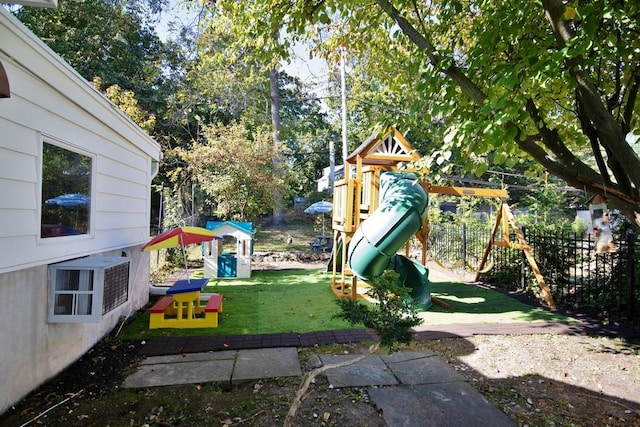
(499, 158)
(511, 133)
(481, 169)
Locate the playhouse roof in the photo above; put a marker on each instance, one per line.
(246, 227)
(384, 148)
(597, 199)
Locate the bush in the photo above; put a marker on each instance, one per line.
(579, 226)
(392, 317)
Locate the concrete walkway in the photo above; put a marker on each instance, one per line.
(411, 388)
(226, 367)
(416, 389)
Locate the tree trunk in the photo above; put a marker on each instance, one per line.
(275, 121)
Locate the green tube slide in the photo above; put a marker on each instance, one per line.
(401, 211)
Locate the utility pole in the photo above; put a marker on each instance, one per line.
(332, 164)
(343, 93)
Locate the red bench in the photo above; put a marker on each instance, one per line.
(214, 305)
(162, 305)
(211, 310)
(157, 312)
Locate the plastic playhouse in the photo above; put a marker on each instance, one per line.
(221, 263)
(379, 206)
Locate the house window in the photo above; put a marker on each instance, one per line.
(85, 289)
(4, 83)
(66, 192)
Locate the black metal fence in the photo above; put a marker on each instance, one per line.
(602, 285)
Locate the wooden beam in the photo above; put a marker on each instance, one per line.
(506, 218)
(465, 191)
(528, 253)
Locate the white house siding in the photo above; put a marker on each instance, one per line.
(33, 350)
(51, 102)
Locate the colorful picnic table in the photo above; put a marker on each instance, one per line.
(182, 308)
(187, 291)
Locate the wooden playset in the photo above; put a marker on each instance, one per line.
(376, 187)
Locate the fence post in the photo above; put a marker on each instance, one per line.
(523, 271)
(463, 249)
(631, 274)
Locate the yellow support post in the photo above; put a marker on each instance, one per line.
(506, 218)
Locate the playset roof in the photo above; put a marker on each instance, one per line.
(385, 148)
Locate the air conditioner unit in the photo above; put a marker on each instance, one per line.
(84, 289)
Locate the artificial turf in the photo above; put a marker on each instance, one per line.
(277, 301)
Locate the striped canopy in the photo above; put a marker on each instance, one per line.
(179, 236)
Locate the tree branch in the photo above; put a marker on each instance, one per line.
(632, 96)
(589, 131)
(308, 379)
(609, 131)
(551, 140)
(580, 177)
(424, 44)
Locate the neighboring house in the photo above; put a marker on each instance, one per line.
(75, 180)
(585, 215)
(325, 181)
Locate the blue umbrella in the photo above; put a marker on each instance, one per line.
(320, 207)
(71, 200)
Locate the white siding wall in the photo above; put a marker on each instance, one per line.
(49, 101)
(33, 350)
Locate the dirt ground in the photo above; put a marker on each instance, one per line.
(537, 380)
(552, 380)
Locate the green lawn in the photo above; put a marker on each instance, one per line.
(271, 301)
(475, 304)
(300, 226)
(302, 301)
